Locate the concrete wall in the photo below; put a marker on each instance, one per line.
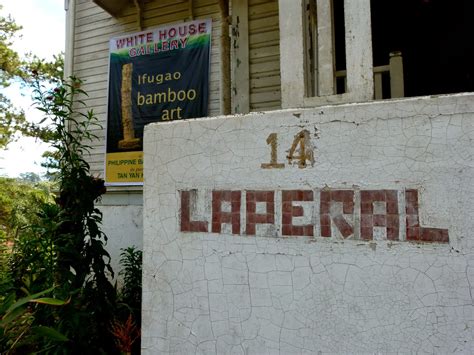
(362, 242)
(122, 222)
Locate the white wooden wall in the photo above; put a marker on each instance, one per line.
(264, 55)
(93, 29)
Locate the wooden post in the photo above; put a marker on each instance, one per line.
(191, 9)
(378, 86)
(325, 48)
(359, 64)
(225, 58)
(397, 85)
(310, 48)
(240, 58)
(291, 53)
(139, 6)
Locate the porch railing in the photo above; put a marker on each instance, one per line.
(395, 71)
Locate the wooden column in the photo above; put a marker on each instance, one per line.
(291, 53)
(325, 48)
(225, 83)
(397, 85)
(191, 10)
(359, 64)
(240, 58)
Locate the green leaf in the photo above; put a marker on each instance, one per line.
(50, 301)
(7, 302)
(27, 299)
(50, 333)
(11, 316)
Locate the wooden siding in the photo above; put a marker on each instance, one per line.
(264, 55)
(93, 29)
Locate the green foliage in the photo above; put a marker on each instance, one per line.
(34, 253)
(126, 329)
(20, 203)
(82, 270)
(35, 68)
(131, 292)
(63, 249)
(9, 59)
(30, 177)
(55, 290)
(17, 332)
(11, 119)
(50, 162)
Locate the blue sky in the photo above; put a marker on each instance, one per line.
(43, 32)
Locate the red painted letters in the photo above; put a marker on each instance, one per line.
(414, 231)
(186, 224)
(253, 218)
(369, 218)
(327, 199)
(289, 210)
(219, 216)
(377, 208)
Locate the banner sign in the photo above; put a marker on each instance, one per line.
(156, 75)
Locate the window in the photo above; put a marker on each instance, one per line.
(416, 47)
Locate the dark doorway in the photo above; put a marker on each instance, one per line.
(436, 41)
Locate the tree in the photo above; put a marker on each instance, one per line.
(10, 118)
(10, 62)
(30, 177)
(14, 67)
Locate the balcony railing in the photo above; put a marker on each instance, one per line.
(395, 71)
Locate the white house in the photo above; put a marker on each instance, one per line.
(325, 204)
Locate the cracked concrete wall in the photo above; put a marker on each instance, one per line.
(226, 290)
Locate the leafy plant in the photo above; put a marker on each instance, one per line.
(131, 292)
(130, 299)
(17, 331)
(20, 202)
(59, 249)
(82, 268)
(125, 333)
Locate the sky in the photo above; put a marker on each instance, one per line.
(43, 34)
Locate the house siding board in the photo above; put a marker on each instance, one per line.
(83, 12)
(85, 5)
(93, 29)
(264, 50)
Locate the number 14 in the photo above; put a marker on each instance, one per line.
(301, 151)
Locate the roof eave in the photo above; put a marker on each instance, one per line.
(113, 7)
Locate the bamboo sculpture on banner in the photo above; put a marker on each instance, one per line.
(129, 141)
